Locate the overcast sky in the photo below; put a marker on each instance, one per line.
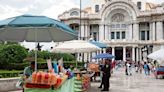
(50, 8)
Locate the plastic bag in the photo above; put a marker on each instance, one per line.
(19, 84)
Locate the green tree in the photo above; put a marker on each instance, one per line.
(13, 53)
(47, 55)
(40, 54)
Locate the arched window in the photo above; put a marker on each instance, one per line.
(74, 13)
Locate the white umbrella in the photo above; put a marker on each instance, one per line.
(75, 46)
(157, 55)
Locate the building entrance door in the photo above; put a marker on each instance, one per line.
(119, 53)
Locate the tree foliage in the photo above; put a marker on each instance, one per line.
(12, 53)
(48, 55)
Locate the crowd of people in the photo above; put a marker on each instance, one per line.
(147, 67)
(107, 66)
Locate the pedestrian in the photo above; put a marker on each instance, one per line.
(140, 66)
(146, 68)
(130, 68)
(126, 68)
(101, 73)
(150, 67)
(106, 74)
(136, 67)
(118, 65)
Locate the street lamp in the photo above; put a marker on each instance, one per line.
(80, 20)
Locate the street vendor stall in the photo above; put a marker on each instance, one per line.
(158, 56)
(57, 79)
(159, 72)
(66, 85)
(75, 84)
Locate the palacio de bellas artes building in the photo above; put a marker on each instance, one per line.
(131, 28)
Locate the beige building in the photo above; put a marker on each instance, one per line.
(131, 28)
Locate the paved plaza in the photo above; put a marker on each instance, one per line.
(135, 83)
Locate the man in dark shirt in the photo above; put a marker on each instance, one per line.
(106, 74)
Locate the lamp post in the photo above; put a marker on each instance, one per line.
(80, 20)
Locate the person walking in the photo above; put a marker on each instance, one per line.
(140, 67)
(106, 74)
(101, 73)
(146, 68)
(130, 68)
(126, 68)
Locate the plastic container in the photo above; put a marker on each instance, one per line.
(39, 77)
(53, 79)
(34, 77)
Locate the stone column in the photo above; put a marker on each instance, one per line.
(79, 33)
(109, 32)
(133, 53)
(140, 54)
(89, 31)
(78, 57)
(85, 57)
(89, 57)
(104, 50)
(86, 32)
(129, 33)
(113, 51)
(124, 53)
(106, 32)
(82, 30)
(115, 35)
(137, 56)
(101, 51)
(101, 32)
(153, 31)
(159, 30)
(136, 31)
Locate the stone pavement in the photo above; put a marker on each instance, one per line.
(135, 83)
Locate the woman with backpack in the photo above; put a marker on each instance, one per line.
(146, 68)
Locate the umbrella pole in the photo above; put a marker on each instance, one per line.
(76, 64)
(76, 59)
(36, 50)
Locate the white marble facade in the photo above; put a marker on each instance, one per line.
(130, 32)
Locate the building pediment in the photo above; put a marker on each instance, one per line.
(119, 6)
(72, 13)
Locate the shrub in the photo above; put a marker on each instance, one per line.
(13, 53)
(8, 74)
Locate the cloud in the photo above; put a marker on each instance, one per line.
(51, 8)
(59, 8)
(156, 1)
(7, 11)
